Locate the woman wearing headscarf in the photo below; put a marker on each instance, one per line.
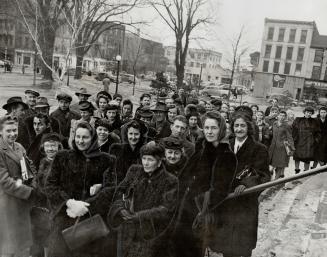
(145, 205)
(237, 234)
(128, 153)
(204, 183)
(76, 179)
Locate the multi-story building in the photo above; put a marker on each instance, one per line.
(146, 55)
(293, 55)
(198, 61)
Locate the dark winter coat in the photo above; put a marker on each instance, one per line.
(34, 151)
(306, 135)
(125, 157)
(15, 227)
(207, 164)
(237, 235)
(266, 134)
(65, 119)
(321, 147)
(163, 129)
(195, 134)
(72, 174)
(154, 200)
(277, 151)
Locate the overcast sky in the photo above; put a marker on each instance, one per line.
(230, 15)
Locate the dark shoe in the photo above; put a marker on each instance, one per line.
(297, 171)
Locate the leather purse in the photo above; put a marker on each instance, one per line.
(85, 232)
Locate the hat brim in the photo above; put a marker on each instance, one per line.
(159, 110)
(5, 107)
(41, 106)
(86, 94)
(37, 94)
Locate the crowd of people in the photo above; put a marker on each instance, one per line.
(158, 176)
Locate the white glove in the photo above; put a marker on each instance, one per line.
(95, 189)
(76, 208)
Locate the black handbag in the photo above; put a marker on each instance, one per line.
(85, 232)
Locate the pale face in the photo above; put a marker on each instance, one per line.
(39, 125)
(63, 105)
(254, 109)
(127, 110)
(169, 102)
(209, 107)
(259, 116)
(322, 114)
(240, 129)
(193, 121)
(307, 114)
(150, 163)
(146, 120)
(118, 100)
(102, 103)
(133, 136)
(111, 114)
(103, 133)
(85, 115)
(211, 130)
(281, 117)
(274, 113)
(172, 113)
(51, 148)
(9, 133)
(30, 99)
(83, 139)
(173, 156)
(224, 108)
(18, 110)
(146, 101)
(178, 128)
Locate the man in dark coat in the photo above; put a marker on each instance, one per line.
(306, 135)
(42, 106)
(63, 114)
(321, 148)
(30, 97)
(82, 95)
(161, 124)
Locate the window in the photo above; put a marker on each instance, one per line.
(278, 52)
(303, 37)
(270, 33)
(298, 67)
(197, 65)
(265, 66)
(204, 65)
(291, 38)
(319, 55)
(199, 56)
(281, 34)
(276, 67)
(27, 60)
(300, 54)
(287, 68)
(289, 53)
(316, 72)
(192, 55)
(268, 51)
(192, 64)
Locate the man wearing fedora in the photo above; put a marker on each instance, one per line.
(42, 106)
(82, 95)
(64, 114)
(160, 124)
(30, 99)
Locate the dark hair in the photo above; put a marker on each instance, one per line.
(44, 117)
(274, 109)
(128, 102)
(283, 112)
(275, 99)
(140, 126)
(175, 107)
(103, 123)
(201, 109)
(104, 93)
(7, 119)
(246, 118)
(101, 96)
(85, 125)
(256, 106)
(154, 149)
(181, 118)
(117, 95)
(220, 120)
(145, 95)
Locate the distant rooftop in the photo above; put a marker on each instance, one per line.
(312, 23)
(318, 41)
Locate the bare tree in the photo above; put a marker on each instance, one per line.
(238, 50)
(99, 16)
(182, 17)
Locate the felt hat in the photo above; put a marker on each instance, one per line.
(14, 100)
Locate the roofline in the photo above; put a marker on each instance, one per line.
(311, 23)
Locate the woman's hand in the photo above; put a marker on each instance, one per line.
(76, 208)
(95, 189)
(239, 189)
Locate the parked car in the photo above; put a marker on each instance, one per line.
(215, 91)
(128, 78)
(2, 64)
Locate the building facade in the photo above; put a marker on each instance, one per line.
(293, 55)
(199, 62)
